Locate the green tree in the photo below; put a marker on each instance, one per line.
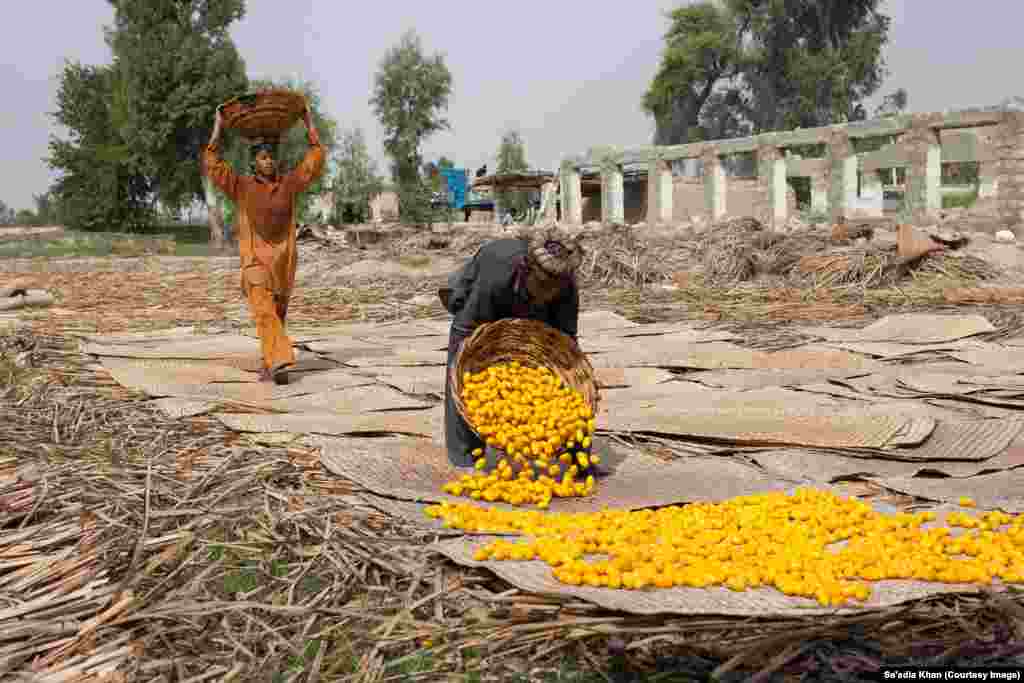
(702, 49)
(411, 90)
(512, 159)
(6, 214)
(175, 62)
(356, 181)
(894, 103)
(26, 217)
(750, 66)
(100, 183)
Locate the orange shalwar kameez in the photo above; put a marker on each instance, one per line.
(266, 241)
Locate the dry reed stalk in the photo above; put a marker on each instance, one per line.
(259, 554)
(984, 295)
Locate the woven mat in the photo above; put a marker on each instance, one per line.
(909, 328)
(827, 467)
(767, 417)
(341, 345)
(213, 382)
(198, 348)
(963, 440)
(398, 360)
(424, 423)
(724, 355)
(167, 371)
(410, 380)
(675, 331)
(183, 407)
(596, 321)
(535, 577)
(759, 379)
(416, 470)
(434, 343)
(892, 350)
(1008, 358)
(149, 338)
(397, 330)
(998, 491)
(614, 378)
(360, 399)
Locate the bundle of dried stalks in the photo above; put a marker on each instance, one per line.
(617, 257)
(984, 295)
(858, 267)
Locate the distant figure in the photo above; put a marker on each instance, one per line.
(266, 235)
(482, 171)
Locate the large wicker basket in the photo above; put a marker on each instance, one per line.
(264, 114)
(531, 343)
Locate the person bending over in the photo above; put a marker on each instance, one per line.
(519, 277)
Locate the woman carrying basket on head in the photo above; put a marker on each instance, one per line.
(266, 236)
(522, 278)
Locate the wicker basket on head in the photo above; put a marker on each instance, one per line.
(531, 343)
(264, 114)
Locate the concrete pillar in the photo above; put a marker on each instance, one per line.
(548, 200)
(498, 208)
(988, 182)
(1010, 179)
(659, 192)
(572, 196)
(872, 195)
(715, 185)
(613, 196)
(772, 169)
(819, 194)
(924, 171)
(842, 169)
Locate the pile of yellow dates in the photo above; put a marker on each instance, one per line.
(775, 540)
(543, 426)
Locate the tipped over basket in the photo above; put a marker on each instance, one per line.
(531, 343)
(264, 114)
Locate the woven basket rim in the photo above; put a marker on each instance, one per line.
(276, 109)
(585, 383)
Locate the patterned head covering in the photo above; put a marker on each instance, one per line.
(554, 251)
(264, 144)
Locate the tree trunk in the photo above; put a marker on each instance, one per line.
(218, 239)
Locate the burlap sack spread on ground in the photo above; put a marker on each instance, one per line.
(416, 470)
(909, 328)
(761, 417)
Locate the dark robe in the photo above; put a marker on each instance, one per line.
(492, 286)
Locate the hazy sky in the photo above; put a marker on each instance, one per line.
(569, 73)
